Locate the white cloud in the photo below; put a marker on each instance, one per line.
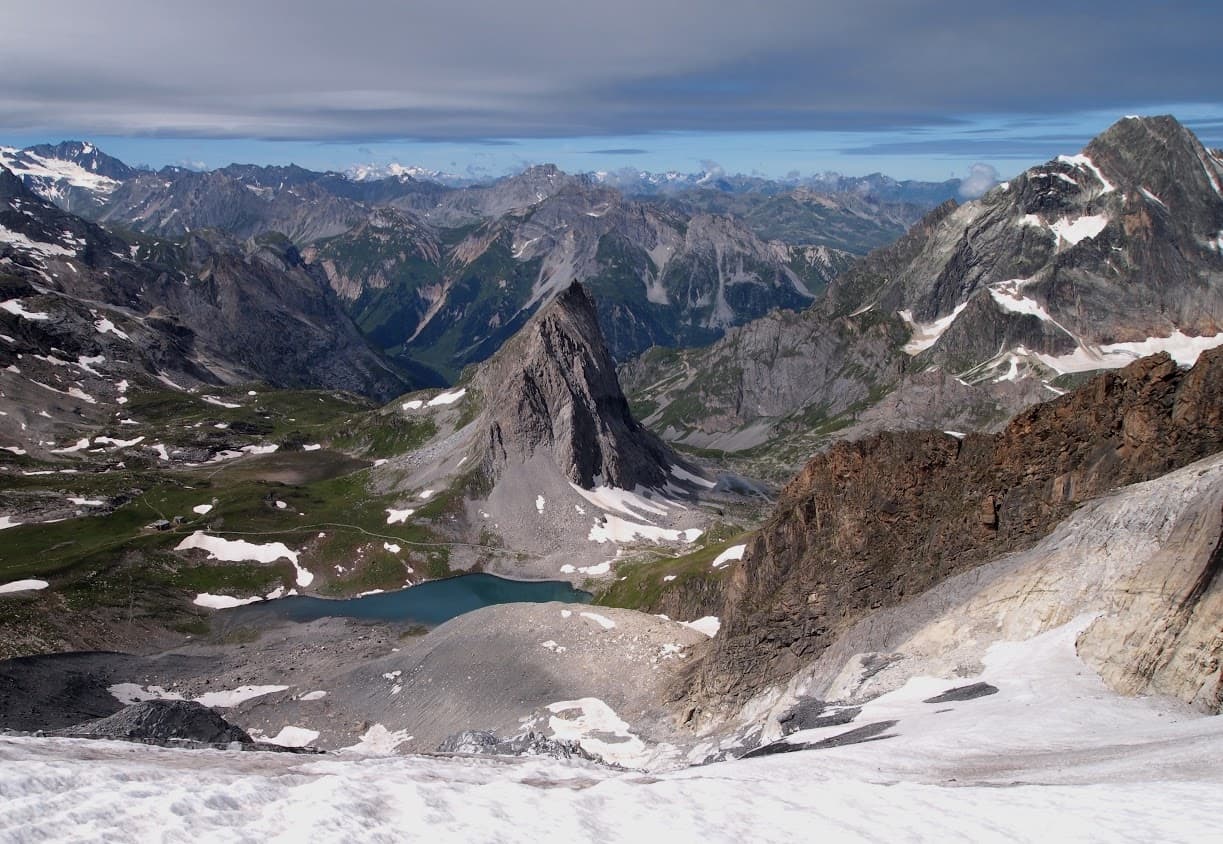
(981, 177)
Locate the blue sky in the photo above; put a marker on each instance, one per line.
(915, 90)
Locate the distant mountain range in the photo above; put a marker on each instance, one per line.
(1079, 264)
(437, 277)
(640, 183)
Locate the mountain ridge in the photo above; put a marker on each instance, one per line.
(1066, 269)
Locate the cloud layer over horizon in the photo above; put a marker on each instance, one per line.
(475, 70)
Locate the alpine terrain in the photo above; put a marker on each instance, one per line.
(386, 504)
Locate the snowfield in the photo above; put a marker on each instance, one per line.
(94, 789)
(1048, 753)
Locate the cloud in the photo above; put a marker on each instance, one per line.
(981, 177)
(712, 171)
(366, 70)
(996, 146)
(618, 151)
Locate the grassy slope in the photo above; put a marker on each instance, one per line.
(107, 561)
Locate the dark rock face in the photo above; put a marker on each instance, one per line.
(808, 714)
(869, 523)
(162, 721)
(212, 310)
(961, 693)
(867, 732)
(553, 388)
(485, 743)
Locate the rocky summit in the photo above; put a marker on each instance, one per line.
(553, 389)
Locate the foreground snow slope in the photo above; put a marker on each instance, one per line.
(1052, 755)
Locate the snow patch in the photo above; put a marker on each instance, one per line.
(447, 398)
(394, 516)
(622, 501)
(734, 552)
(1079, 229)
(597, 569)
(684, 475)
(21, 585)
(104, 326)
(1084, 162)
(601, 620)
(222, 602)
(290, 736)
(219, 402)
(14, 307)
(708, 625)
(598, 729)
(35, 247)
(615, 529)
(378, 741)
(129, 693)
(1183, 348)
(926, 334)
(1153, 198)
(239, 550)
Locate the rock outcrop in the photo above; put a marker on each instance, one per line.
(870, 524)
(485, 743)
(162, 721)
(1135, 572)
(553, 389)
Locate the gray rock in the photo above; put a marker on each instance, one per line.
(483, 742)
(553, 389)
(162, 721)
(970, 692)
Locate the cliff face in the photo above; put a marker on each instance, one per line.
(869, 524)
(553, 388)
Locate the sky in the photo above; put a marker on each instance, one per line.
(484, 87)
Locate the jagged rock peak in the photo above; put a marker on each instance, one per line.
(553, 388)
(1160, 156)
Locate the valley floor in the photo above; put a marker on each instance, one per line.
(1053, 755)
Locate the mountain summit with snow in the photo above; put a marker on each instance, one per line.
(1084, 263)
